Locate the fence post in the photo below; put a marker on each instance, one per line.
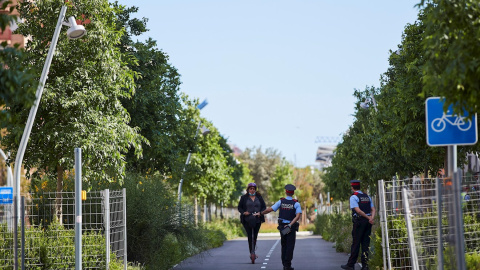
(15, 232)
(439, 222)
(22, 215)
(382, 221)
(78, 208)
(124, 229)
(383, 225)
(411, 238)
(106, 205)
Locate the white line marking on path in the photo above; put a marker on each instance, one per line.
(270, 252)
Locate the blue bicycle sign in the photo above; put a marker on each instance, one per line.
(447, 128)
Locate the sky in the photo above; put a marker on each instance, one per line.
(276, 73)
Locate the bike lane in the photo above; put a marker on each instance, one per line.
(311, 252)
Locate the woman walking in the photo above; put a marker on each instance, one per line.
(249, 204)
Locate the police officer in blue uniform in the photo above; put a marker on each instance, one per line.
(363, 214)
(290, 213)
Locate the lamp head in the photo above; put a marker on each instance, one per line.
(205, 130)
(75, 31)
(364, 105)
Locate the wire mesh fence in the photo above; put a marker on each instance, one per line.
(45, 239)
(429, 206)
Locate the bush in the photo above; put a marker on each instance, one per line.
(155, 236)
(376, 258)
(231, 228)
(54, 248)
(335, 228)
(338, 228)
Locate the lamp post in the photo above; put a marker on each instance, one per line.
(205, 131)
(74, 32)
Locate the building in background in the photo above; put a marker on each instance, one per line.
(324, 157)
(9, 34)
(11, 38)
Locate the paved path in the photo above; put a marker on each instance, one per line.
(311, 252)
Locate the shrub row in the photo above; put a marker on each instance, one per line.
(337, 228)
(157, 237)
(54, 248)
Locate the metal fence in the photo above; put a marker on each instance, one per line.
(45, 239)
(418, 216)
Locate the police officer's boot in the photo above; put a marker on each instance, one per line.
(288, 268)
(347, 267)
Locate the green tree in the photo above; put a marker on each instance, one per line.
(240, 173)
(160, 112)
(309, 184)
(164, 116)
(392, 140)
(209, 175)
(262, 166)
(81, 103)
(283, 175)
(17, 80)
(452, 54)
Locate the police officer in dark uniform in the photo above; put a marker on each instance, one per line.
(363, 214)
(290, 213)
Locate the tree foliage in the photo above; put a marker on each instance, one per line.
(164, 116)
(283, 175)
(81, 104)
(17, 80)
(452, 54)
(391, 141)
(209, 174)
(309, 185)
(262, 166)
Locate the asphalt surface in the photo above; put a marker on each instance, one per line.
(311, 252)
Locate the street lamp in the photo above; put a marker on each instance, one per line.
(368, 101)
(74, 32)
(205, 131)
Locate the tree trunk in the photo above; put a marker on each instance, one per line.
(196, 211)
(58, 203)
(221, 211)
(209, 218)
(204, 210)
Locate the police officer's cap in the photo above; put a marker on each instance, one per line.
(290, 188)
(355, 182)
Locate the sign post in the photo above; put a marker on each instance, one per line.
(449, 129)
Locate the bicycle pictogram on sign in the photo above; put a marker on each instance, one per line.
(439, 124)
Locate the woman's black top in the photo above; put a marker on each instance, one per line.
(246, 205)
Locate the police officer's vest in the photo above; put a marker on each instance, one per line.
(363, 204)
(287, 209)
